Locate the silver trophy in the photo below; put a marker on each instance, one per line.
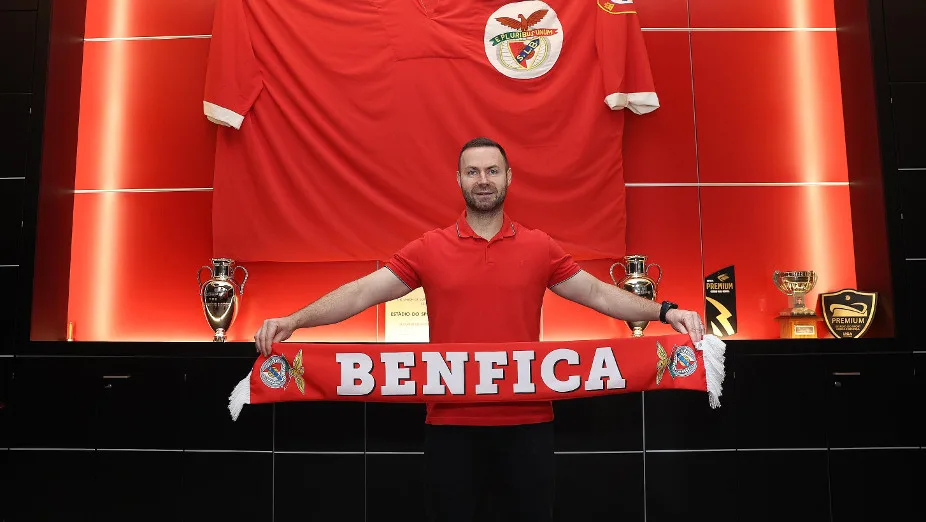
(221, 295)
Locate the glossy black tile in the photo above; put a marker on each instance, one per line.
(137, 486)
(396, 488)
(906, 43)
(318, 426)
(228, 486)
(780, 402)
(873, 485)
(606, 423)
(53, 402)
(318, 487)
(909, 112)
(913, 225)
(15, 121)
(17, 50)
(395, 426)
(11, 217)
(9, 278)
(871, 400)
(781, 485)
(679, 484)
(139, 403)
(682, 419)
(208, 423)
(50, 485)
(598, 487)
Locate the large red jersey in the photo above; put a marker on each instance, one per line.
(342, 121)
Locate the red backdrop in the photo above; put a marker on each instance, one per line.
(744, 164)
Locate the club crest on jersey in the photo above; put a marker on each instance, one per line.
(523, 40)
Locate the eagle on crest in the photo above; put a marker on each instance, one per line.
(523, 24)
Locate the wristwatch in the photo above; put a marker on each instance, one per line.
(666, 306)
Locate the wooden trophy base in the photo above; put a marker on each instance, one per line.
(797, 326)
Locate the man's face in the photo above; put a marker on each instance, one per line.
(483, 177)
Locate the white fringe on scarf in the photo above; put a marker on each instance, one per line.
(713, 349)
(240, 396)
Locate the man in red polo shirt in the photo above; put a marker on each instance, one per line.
(484, 278)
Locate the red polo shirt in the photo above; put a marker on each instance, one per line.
(480, 291)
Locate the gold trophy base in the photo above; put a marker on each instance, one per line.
(797, 326)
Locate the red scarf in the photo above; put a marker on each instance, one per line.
(451, 372)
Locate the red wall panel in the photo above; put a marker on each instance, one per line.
(763, 229)
(660, 146)
(141, 122)
(663, 13)
(133, 18)
(769, 107)
(662, 224)
(781, 13)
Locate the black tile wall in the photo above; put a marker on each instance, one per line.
(137, 486)
(677, 482)
(53, 403)
(873, 485)
(9, 278)
(606, 423)
(208, 423)
(913, 225)
(670, 414)
(51, 485)
(395, 426)
(600, 487)
(906, 42)
(19, 5)
(14, 135)
(318, 426)
(396, 489)
(909, 114)
(317, 487)
(17, 45)
(781, 485)
(11, 216)
(228, 487)
(870, 400)
(780, 402)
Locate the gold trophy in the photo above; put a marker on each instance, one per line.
(637, 280)
(221, 295)
(797, 321)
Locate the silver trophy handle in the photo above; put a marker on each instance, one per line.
(651, 265)
(611, 270)
(200, 273)
(243, 281)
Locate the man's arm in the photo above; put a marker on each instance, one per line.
(618, 303)
(336, 306)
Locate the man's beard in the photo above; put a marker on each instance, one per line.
(486, 205)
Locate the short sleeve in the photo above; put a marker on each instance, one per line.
(562, 265)
(233, 78)
(628, 79)
(407, 263)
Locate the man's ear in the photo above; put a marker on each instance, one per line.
(509, 175)
(459, 181)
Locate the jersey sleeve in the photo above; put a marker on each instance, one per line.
(628, 80)
(562, 265)
(407, 264)
(233, 78)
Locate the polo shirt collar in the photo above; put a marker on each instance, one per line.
(464, 230)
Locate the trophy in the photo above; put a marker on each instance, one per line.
(220, 295)
(797, 321)
(637, 280)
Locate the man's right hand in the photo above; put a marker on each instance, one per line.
(273, 331)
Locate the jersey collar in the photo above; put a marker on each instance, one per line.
(464, 230)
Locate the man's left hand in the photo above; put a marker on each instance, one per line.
(686, 321)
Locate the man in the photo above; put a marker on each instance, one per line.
(484, 278)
